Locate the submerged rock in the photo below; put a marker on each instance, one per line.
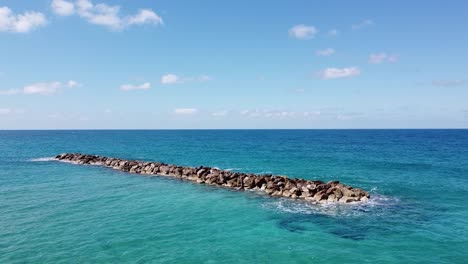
(315, 191)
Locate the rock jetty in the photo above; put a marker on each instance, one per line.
(280, 186)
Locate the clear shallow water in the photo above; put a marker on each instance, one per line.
(53, 212)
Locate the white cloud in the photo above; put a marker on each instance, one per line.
(48, 88)
(448, 83)
(73, 84)
(100, 14)
(42, 88)
(325, 52)
(378, 58)
(174, 78)
(333, 33)
(62, 8)
(170, 79)
(303, 31)
(130, 87)
(104, 15)
(20, 23)
(185, 111)
(144, 16)
(335, 73)
(362, 24)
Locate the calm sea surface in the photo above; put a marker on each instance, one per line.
(53, 212)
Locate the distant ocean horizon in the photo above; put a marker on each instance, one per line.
(138, 129)
(52, 212)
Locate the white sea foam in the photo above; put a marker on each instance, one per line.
(233, 169)
(382, 200)
(263, 172)
(44, 159)
(332, 209)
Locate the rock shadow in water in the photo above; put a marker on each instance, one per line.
(347, 229)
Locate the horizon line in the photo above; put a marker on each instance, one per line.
(166, 129)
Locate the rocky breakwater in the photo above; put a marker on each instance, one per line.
(280, 186)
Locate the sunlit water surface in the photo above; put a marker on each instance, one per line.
(52, 212)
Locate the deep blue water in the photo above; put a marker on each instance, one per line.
(53, 212)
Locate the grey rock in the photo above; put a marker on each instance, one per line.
(315, 191)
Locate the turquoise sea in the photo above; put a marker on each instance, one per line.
(52, 212)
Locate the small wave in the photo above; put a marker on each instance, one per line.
(42, 159)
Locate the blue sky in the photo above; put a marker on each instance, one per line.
(233, 64)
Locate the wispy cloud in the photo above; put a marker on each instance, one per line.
(220, 113)
(42, 88)
(378, 58)
(48, 88)
(362, 24)
(297, 90)
(174, 79)
(63, 116)
(131, 87)
(281, 114)
(336, 73)
(303, 31)
(204, 78)
(325, 52)
(349, 116)
(333, 33)
(448, 83)
(103, 14)
(465, 112)
(185, 111)
(9, 92)
(20, 23)
(5, 111)
(144, 16)
(9, 111)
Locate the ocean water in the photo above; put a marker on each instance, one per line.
(52, 212)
